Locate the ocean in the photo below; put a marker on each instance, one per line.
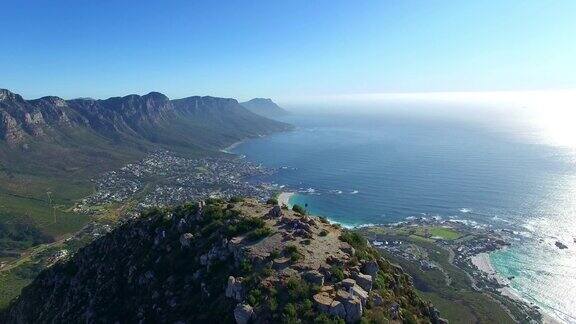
(385, 166)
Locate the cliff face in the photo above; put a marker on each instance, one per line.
(229, 262)
(133, 116)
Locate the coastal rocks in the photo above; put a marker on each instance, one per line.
(234, 289)
(186, 239)
(243, 313)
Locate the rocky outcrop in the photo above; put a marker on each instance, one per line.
(243, 313)
(234, 288)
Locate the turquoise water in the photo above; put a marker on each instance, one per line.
(382, 168)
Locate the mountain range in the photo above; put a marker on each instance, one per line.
(133, 117)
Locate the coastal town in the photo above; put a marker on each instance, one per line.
(165, 179)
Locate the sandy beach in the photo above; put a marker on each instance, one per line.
(482, 262)
(284, 198)
(227, 149)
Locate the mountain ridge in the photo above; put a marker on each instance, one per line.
(132, 115)
(265, 107)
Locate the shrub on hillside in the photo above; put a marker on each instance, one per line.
(299, 209)
(272, 201)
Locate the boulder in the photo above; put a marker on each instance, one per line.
(327, 288)
(186, 239)
(234, 289)
(314, 277)
(357, 291)
(364, 281)
(182, 225)
(394, 309)
(377, 300)
(322, 301)
(370, 268)
(353, 307)
(280, 263)
(275, 212)
(348, 249)
(337, 309)
(348, 282)
(243, 313)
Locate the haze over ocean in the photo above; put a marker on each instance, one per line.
(452, 160)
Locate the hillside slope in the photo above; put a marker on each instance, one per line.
(235, 261)
(50, 148)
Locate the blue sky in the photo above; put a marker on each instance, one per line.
(284, 49)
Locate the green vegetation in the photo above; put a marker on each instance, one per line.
(236, 199)
(444, 233)
(272, 201)
(299, 209)
(259, 233)
(292, 252)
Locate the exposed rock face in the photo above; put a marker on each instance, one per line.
(364, 281)
(234, 288)
(275, 212)
(314, 277)
(243, 313)
(370, 268)
(186, 239)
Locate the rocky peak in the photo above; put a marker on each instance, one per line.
(52, 100)
(7, 95)
(223, 261)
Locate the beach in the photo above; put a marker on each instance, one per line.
(483, 263)
(231, 147)
(284, 198)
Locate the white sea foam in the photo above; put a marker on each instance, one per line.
(465, 210)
